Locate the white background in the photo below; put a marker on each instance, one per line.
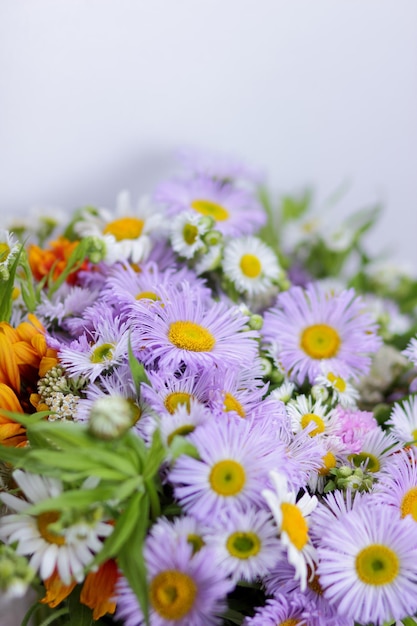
(96, 94)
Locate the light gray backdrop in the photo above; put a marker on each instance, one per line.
(95, 95)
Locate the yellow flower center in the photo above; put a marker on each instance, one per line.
(4, 251)
(243, 545)
(124, 228)
(414, 437)
(377, 565)
(250, 265)
(291, 621)
(15, 293)
(149, 295)
(294, 524)
(320, 341)
(172, 594)
(231, 404)
(135, 410)
(337, 382)
(190, 232)
(329, 461)
(191, 336)
(102, 353)
(373, 464)
(312, 417)
(206, 207)
(195, 541)
(174, 399)
(409, 503)
(182, 431)
(43, 521)
(227, 478)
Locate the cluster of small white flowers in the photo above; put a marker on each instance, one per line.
(63, 405)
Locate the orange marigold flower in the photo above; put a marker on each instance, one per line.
(11, 433)
(54, 259)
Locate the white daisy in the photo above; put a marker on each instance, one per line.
(378, 448)
(9, 248)
(187, 231)
(343, 392)
(305, 413)
(251, 265)
(411, 351)
(291, 518)
(69, 549)
(126, 233)
(403, 421)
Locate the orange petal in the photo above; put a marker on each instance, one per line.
(56, 591)
(9, 371)
(99, 588)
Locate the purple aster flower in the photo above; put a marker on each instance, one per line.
(233, 466)
(281, 581)
(281, 611)
(368, 565)
(403, 421)
(185, 330)
(67, 301)
(184, 587)
(398, 487)
(96, 353)
(217, 166)
(315, 329)
(235, 211)
(245, 543)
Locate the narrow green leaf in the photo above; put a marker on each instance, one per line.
(7, 286)
(131, 560)
(80, 614)
(124, 528)
(180, 445)
(156, 454)
(79, 499)
(137, 370)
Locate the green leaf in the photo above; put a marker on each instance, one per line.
(7, 286)
(80, 614)
(180, 445)
(408, 621)
(123, 529)
(77, 499)
(294, 208)
(156, 454)
(131, 559)
(137, 370)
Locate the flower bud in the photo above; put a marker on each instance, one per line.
(110, 417)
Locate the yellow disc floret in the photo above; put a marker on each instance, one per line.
(172, 594)
(191, 336)
(214, 210)
(409, 503)
(250, 265)
(227, 478)
(377, 565)
(124, 228)
(243, 545)
(231, 404)
(294, 524)
(320, 341)
(175, 399)
(43, 522)
(309, 418)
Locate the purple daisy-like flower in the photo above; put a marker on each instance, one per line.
(235, 211)
(233, 466)
(95, 353)
(313, 329)
(245, 543)
(281, 610)
(398, 487)
(368, 565)
(217, 166)
(187, 331)
(184, 587)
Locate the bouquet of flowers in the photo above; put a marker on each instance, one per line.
(208, 411)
